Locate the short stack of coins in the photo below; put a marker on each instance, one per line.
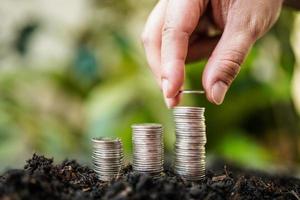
(107, 158)
(190, 142)
(148, 148)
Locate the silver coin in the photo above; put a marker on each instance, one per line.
(189, 167)
(189, 155)
(191, 136)
(192, 178)
(146, 126)
(147, 143)
(189, 148)
(195, 142)
(107, 155)
(107, 158)
(148, 170)
(189, 164)
(191, 92)
(188, 109)
(188, 123)
(109, 162)
(190, 131)
(146, 162)
(190, 173)
(193, 133)
(147, 148)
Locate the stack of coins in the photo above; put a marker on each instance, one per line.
(107, 158)
(148, 148)
(190, 142)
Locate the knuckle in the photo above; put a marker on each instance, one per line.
(257, 25)
(167, 30)
(256, 28)
(252, 29)
(254, 32)
(230, 66)
(172, 32)
(257, 20)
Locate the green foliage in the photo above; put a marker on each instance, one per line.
(237, 146)
(102, 86)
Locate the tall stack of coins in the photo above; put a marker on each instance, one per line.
(190, 142)
(148, 148)
(107, 158)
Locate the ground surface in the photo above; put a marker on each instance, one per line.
(41, 179)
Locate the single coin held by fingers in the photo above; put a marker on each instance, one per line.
(191, 92)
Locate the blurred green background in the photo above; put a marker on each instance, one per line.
(75, 69)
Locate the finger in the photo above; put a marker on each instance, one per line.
(151, 38)
(171, 102)
(180, 21)
(224, 63)
(201, 48)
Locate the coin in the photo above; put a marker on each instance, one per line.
(107, 158)
(192, 91)
(148, 149)
(190, 142)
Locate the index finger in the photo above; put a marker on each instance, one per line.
(181, 19)
(151, 38)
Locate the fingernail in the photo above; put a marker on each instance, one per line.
(168, 102)
(219, 90)
(165, 85)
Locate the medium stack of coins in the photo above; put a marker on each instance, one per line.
(190, 142)
(148, 148)
(107, 158)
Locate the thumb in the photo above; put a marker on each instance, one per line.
(224, 63)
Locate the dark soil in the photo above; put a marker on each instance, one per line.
(41, 179)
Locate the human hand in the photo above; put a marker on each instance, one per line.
(176, 32)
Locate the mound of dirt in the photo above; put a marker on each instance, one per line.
(41, 179)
